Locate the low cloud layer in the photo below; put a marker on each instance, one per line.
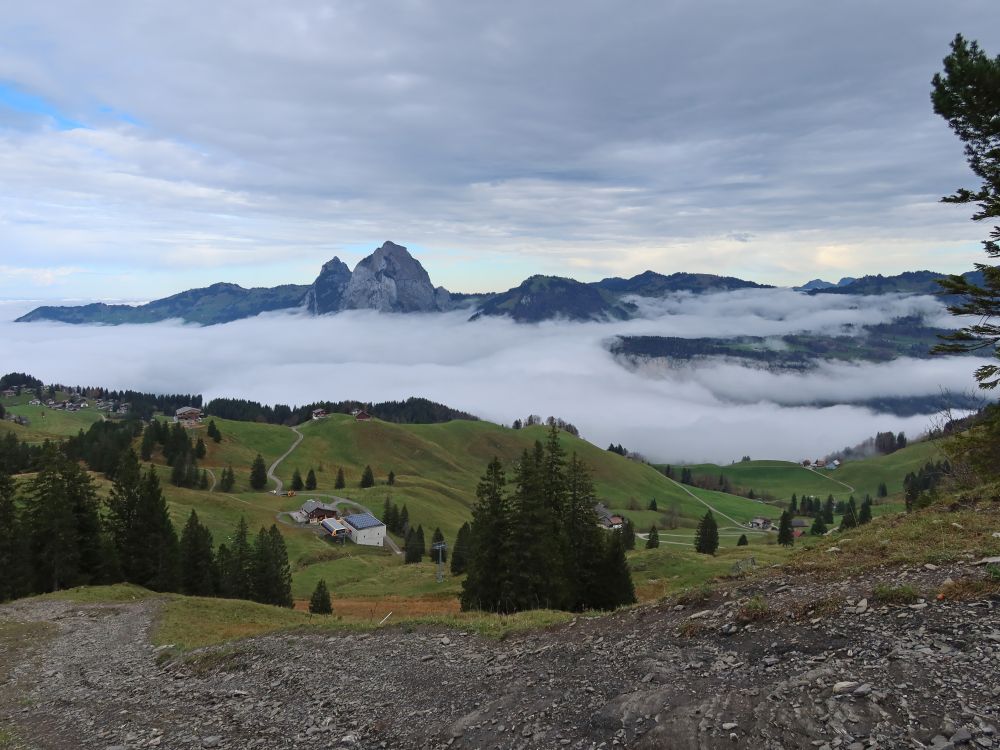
(500, 370)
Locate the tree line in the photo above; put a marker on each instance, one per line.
(56, 533)
(410, 411)
(535, 543)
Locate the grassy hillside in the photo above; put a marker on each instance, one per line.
(779, 479)
(46, 424)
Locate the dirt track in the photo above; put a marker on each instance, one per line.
(697, 676)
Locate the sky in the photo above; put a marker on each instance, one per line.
(147, 148)
(501, 370)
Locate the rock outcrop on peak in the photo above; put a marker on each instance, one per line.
(392, 280)
(327, 293)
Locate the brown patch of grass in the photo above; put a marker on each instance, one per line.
(690, 629)
(823, 607)
(695, 595)
(971, 589)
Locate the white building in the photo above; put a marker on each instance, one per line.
(364, 528)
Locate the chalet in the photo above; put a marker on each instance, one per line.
(819, 463)
(8, 393)
(315, 511)
(186, 414)
(606, 518)
(760, 523)
(362, 416)
(364, 528)
(318, 413)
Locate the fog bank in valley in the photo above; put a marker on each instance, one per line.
(500, 370)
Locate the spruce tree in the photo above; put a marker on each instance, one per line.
(793, 506)
(584, 539)
(786, 537)
(297, 483)
(828, 507)
(615, 580)
(155, 566)
(653, 541)
(850, 517)
(818, 527)
(238, 573)
(272, 576)
(628, 534)
(340, 482)
(198, 573)
(652, 505)
(367, 477)
(148, 443)
(319, 602)
(460, 551)
(311, 479)
(706, 537)
(227, 480)
(404, 520)
(13, 581)
(391, 479)
(199, 449)
(486, 587)
(412, 552)
(865, 516)
(421, 541)
(203, 480)
(258, 473)
(213, 431)
(742, 541)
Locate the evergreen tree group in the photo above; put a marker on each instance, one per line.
(537, 543)
(227, 480)
(460, 552)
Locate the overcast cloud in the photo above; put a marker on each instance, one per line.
(501, 370)
(150, 147)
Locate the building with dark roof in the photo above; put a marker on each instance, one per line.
(364, 528)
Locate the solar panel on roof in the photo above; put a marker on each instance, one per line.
(362, 521)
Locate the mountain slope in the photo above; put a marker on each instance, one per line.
(909, 282)
(652, 284)
(545, 297)
(219, 303)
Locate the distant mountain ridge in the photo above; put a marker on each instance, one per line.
(391, 280)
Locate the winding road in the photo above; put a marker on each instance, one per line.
(337, 500)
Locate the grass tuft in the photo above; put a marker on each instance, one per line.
(885, 593)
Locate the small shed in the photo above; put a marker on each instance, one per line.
(318, 413)
(364, 528)
(362, 416)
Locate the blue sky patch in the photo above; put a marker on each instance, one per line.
(14, 98)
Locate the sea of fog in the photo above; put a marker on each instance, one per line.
(500, 370)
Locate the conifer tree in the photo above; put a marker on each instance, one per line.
(486, 586)
(148, 443)
(391, 479)
(203, 480)
(213, 431)
(198, 573)
(238, 573)
(311, 479)
(628, 534)
(13, 581)
(818, 527)
(227, 480)
(272, 576)
(258, 473)
(706, 537)
(421, 541)
(367, 477)
(155, 567)
(786, 537)
(297, 483)
(742, 541)
(793, 506)
(412, 552)
(615, 588)
(865, 516)
(340, 482)
(883, 491)
(652, 504)
(850, 517)
(828, 507)
(460, 552)
(404, 520)
(319, 602)
(199, 449)
(63, 525)
(653, 541)
(584, 543)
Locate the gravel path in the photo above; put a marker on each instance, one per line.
(822, 669)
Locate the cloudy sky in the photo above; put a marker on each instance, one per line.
(151, 147)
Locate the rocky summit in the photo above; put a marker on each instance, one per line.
(326, 294)
(823, 666)
(392, 280)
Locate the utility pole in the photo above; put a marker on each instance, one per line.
(440, 548)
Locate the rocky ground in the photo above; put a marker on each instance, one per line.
(779, 663)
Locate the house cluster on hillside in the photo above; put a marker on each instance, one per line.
(360, 528)
(760, 523)
(821, 463)
(189, 416)
(606, 519)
